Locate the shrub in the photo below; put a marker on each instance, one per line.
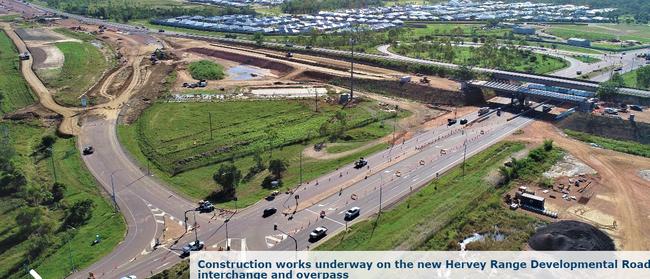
(206, 69)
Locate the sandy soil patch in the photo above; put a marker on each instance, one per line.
(47, 57)
(619, 191)
(41, 36)
(569, 166)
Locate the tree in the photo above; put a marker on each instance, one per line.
(258, 37)
(607, 90)
(79, 213)
(228, 176)
(464, 73)
(548, 145)
(643, 77)
(29, 219)
(618, 80)
(277, 167)
(47, 141)
(58, 192)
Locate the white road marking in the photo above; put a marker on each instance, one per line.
(243, 245)
(160, 221)
(328, 218)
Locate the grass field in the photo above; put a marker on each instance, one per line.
(629, 79)
(54, 262)
(629, 147)
(586, 59)
(441, 201)
(541, 64)
(455, 207)
(83, 66)
(603, 32)
(175, 131)
(13, 87)
(206, 69)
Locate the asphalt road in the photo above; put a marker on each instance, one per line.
(143, 200)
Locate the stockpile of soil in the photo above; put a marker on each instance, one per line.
(570, 236)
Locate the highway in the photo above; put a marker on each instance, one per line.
(143, 200)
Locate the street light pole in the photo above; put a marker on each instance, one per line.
(113, 189)
(72, 267)
(300, 168)
(275, 228)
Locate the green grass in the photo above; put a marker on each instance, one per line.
(86, 37)
(13, 86)
(603, 32)
(629, 147)
(83, 66)
(70, 170)
(540, 64)
(7, 18)
(206, 69)
(170, 126)
(586, 59)
(412, 221)
(630, 79)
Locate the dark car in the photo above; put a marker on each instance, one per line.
(463, 121)
(352, 213)
(451, 122)
(88, 150)
(269, 211)
(636, 107)
(317, 234)
(361, 163)
(192, 246)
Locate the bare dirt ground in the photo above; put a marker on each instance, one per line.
(620, 193)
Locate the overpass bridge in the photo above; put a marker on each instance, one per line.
(580, 98)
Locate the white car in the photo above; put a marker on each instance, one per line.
(130, 277)
(352, 213)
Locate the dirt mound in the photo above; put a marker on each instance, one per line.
(279, 69)
(608, 127)
(570, 236)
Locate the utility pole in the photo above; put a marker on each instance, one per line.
(300, 167)
(72, 267)
(227, 242)
(352, 42)
(196, 234)
(464, 154)
(113, 189)
(53, 165)
(316, 98)
(275, 228)
(210, 120)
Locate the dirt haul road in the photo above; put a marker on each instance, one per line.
(619, 173)
(69, 124)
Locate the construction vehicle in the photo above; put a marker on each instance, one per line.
(483, 111)
(289, 54)
(424, 80)
(404, 79)
(24, 56)
(361, 163)
(547, 108)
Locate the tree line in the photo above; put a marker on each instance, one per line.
(43, 210)
(124, 11)
(314, 6)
